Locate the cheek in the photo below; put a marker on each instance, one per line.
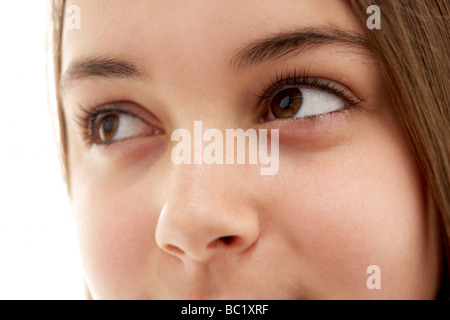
(353, 207)
(116, 231)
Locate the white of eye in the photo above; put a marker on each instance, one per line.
(316, 102)
(129, 127)
(312, 102)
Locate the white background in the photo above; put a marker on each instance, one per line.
(39, 256)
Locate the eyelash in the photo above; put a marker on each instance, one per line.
(296, 78)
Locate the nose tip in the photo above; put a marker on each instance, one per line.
(196, 237)
(205, 253)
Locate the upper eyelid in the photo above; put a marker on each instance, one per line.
(87, 113)
(106, 111)
(304, 80)
(106, 108)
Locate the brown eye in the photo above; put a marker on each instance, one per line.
(107, 127)
(113, 126)
(287, 103)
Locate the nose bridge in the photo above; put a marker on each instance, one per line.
(205, 214)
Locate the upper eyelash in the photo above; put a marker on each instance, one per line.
(303, 79)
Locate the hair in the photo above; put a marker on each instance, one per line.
(412, 48)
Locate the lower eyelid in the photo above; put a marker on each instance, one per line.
(310, 122)
(308, 129)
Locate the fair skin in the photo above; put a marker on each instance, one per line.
(348, 193)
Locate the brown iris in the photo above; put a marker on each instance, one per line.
(107, 127)
(287, 103)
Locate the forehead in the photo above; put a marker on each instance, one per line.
(191, 33)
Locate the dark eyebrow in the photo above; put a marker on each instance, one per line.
(282, 44)
(103, 66)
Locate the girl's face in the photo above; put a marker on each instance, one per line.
(347, 193)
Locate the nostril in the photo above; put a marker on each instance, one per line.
(227, 240)
(173, 249)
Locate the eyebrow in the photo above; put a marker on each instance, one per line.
(270, 48)
(282, 44)
(104, 67)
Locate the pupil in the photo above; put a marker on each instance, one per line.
(285, 102)
(109, 125)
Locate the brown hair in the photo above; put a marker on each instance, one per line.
(412, 47)
(54, 46)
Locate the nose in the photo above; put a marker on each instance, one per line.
(205, 216)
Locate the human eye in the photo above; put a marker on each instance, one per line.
(304, 97)
(111, 123)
